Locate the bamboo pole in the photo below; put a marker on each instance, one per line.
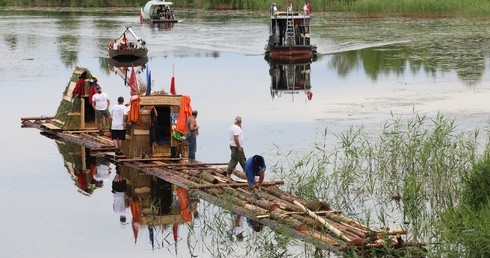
(323, 221)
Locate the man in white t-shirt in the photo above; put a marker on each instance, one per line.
(118, 117)
(236, 146)
(100, 103)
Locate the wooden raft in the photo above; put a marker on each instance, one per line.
(305, 219)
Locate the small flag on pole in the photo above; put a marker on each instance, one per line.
(148, 81)
(172, 83)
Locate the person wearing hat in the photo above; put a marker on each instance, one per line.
(236, 147)
(100, 103)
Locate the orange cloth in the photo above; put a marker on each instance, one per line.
(184, 113)
(134, 111)
(135, 210)
(183, 197)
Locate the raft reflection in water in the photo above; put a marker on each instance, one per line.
(290, 79)
(88, 172)
(153, 202)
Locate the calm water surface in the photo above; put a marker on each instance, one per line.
(367, 69)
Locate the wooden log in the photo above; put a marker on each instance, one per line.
(208, 177)
(323, 221)
(315, 224)
(325, 238)
(299, 212)
(281, 202)
(283, 218)
(238, 184)
(37, 118)
(231, 198)
(349, 221)
(283, 195)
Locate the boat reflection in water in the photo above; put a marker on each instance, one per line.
(152, 203)
(163, 25)
(123, 69)
(290, 79)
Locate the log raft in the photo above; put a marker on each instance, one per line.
(312, 221)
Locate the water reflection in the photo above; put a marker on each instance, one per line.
(123, 69)
(68, 43)
(399, 59)
(11, 41)
(153, 203)
(165, 26)
(290, 79)
(88, 172)
(67, 49)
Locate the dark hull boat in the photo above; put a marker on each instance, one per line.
(123, 49)
(289, 38)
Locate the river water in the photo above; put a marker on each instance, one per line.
(367, 70)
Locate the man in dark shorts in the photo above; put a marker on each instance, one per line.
(118, 117)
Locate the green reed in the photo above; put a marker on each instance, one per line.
(412, 8)
(466, 227)
(424, 8)
(402, 178)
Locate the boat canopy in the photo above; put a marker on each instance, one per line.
(152, 6)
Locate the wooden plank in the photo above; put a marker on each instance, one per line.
(160, 100)
(82, 113)
(71, 87)
(51, 126)
(82, 131)
(141, 132)
(37, 118)
(69, 99)
(58, 121)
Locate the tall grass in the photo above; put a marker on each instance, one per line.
(421, 8)
(467, 226)
(403, 178)
(476, 8)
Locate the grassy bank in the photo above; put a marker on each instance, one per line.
(421, 174)
(368, 8)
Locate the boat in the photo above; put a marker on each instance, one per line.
(289, 37)
(125, 50)
(158, 11)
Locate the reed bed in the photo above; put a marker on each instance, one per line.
(411, 8)
(406, 177)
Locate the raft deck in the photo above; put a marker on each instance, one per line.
(305, 219)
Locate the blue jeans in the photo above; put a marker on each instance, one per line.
(191, 139)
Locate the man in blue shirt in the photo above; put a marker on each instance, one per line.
(255, 166)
